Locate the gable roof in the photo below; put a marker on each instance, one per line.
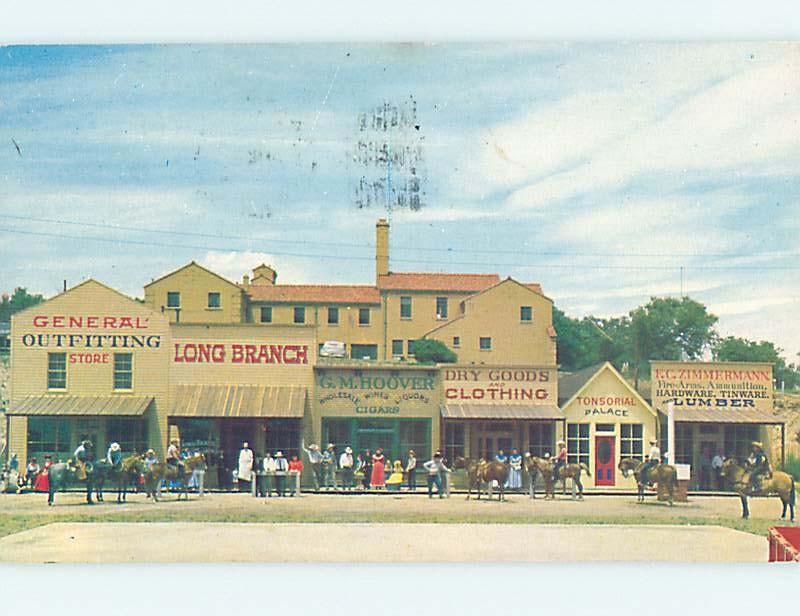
(315, 294)
(565, 400)
(88, 281)
(188, 265)
(571, 383)
(431, 281)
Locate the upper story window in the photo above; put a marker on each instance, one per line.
(441, 307)
(405, 307)
(56, 371)
(363, 316)
(299, 314)
(456, 341)
(123, 370)
(173, 299)
(485, 343)
(526, 314)
(266, 314)
(214, 300)
(333, 315)
(397, 348)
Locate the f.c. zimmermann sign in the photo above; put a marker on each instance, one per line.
(500, 385)
(719, 385)
(377, 392)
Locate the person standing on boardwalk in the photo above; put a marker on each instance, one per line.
(366, 468)
(315, 460)
(269, 468)
(411, 470)
(435, 468)
(346, 463)
(245, 474)
(514, 481)
(295, 469)
(329, 467)
(281, 468)
(378, 479)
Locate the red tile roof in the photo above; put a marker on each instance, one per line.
(415, 281)
(534, 286)
(315, 293)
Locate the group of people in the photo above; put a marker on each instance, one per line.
(373, 469)
(270, 472)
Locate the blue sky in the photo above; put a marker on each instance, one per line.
(598, 170)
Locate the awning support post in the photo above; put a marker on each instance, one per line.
(783, 445)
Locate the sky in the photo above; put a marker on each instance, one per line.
(608, 173)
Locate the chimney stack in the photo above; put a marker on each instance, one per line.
(245, 280)
(264, 274)
(381, 248)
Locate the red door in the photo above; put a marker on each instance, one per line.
(604, 460)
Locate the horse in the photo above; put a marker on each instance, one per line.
(662, 474)
(780, 484)
(160, 471)
(544, 466)
(61, 474)
(127, 473)
(481, 471)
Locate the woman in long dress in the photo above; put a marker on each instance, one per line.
(378, 474)
(42, 483)
(514, 481)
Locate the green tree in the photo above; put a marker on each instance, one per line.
(669, 328)
(433, 351)
(19, 300)
(732, 348)
(590, 340)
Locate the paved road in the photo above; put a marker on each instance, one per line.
(228, 542)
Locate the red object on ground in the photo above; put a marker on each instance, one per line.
(784, 544)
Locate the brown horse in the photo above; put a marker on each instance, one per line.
(161, 471)
(780, 484)
(662, 474)
(544, 466)
(480, 472)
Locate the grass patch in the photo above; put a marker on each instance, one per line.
(14, 523)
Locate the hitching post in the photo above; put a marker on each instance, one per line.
(671, 431)
(201, 479)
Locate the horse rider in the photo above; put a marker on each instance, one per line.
(560, 459)
(174, 456)
(758, 464)
(114, 455)
(83, 454)
(150, 458)
(653, 460)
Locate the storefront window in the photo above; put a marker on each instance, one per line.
(49, 435)
(540, 439)
(578, 443)
(738, 438)
(684, 433)
(283, 435)
(631, 444)
(56, 370)
(454, 441)
(123, 370)
(394, 436)
(129, 432)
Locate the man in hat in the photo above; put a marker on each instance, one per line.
(150, 458)
(83, 454)
(114, 455)
(560, 459)
(758, 464)
(435, 468)
(411, 470)
(31, 472)
(315, 460)
(281, 467)
(346, 463)
(329, 467)
(653, 460)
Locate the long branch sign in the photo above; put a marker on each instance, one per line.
(712, 385)
(501, 385)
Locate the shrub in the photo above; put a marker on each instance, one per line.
(433, 351)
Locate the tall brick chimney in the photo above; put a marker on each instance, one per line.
(381, 248)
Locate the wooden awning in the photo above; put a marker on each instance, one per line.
(501, 411)
(237, 401)
(732, 415)
(107, 406)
